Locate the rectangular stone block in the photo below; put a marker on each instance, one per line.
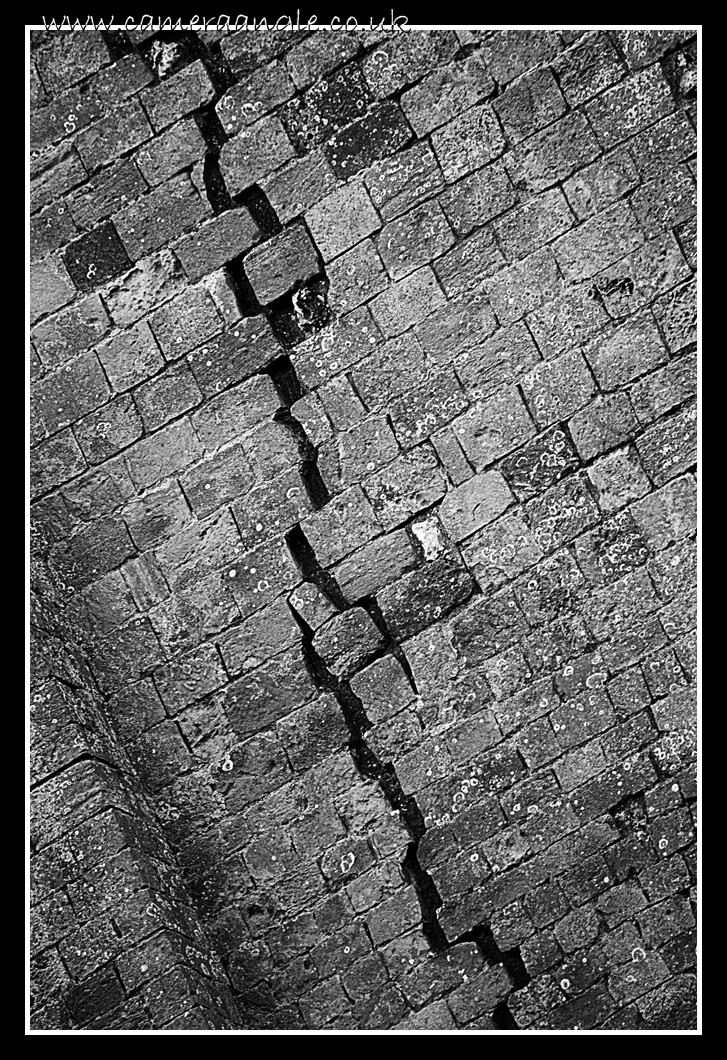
(161, 216)
(407, 302)
(598, 242)
(494, 427)
(300, 184)
(64, 396)
(71, 331)
(281, 264)
(414, 239)
(166, 396)
(447, 92)
(118, 132)
(625, 109)
(344, 524)
(469, 142)
(553, 154)
(254, 96)
(153, 280)
(185, 322)
(254, 153)
(396, 184)
(216, 242)
(130, 357)
(234, 355)
(377, 564)
(172, 99)
(50, 287)
(627, 352)
(342, 219)
(108, 191)
(474, 504)
(177, 148)
(377, 135)
(163, 454)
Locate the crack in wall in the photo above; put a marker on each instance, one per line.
(283, 376)
(245, 296)
(370, 605)
(371, 767)
(384, 774)
(293, 318)
(305, 558)
(258, 206)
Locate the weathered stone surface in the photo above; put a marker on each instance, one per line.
(420, 598)
(468, 142)
(494, 427)
(271, 692)
(414, 239)
(261, 636)
(50, 287)
(163, 454)
(558, 388)
(553, 154)
(408, 485)
(281, 264)
(112, 428)
(254, 153)
(346, 642)
(341, 220)
(160, 216)
(347, 522)
(377, 564)
(234, 355)
(477, 502)
(626, 109)
(151, 282)
(607, 422)
(587, 68)
(445, 93)
(168, 395)
(216, 243)
(365, 141)
(356, 453)
(501, 550)
(76, 388)
(530, 103)
(300, 184)
(627, 353)
(179, 95)
(363, 434)
(407, 302)
(425, 408)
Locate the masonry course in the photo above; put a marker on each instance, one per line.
(363, 530)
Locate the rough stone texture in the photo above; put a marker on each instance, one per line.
(363, 446)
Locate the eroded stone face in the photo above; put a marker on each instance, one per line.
(363, 446)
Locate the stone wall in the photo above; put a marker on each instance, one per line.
(363, 452)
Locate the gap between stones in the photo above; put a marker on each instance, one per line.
(296, 314)
(283, 376)
(370, 766)
(288, 317)
(291, 317)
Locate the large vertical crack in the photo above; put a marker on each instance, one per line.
(384, 774)
(370, 604)
(285, 380)
(305, 558)
(370, 766)
(214, 136)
